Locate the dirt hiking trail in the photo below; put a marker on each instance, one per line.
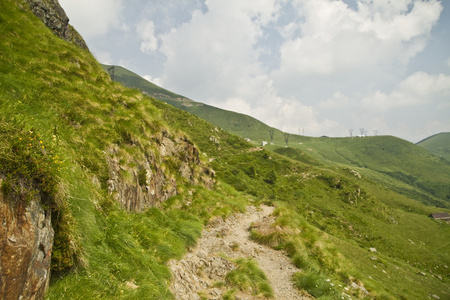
(197, 272)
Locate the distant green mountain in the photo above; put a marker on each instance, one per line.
(439, 144)
(236, 123)
(405, 164)
(133, 80)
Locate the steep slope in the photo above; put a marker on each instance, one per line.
(239, 124)
(83, 149)
(438, 144)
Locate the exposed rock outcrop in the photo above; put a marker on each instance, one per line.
(156, 177)
(26, 239)
(54, 16)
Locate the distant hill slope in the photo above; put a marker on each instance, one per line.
(239, 124)
(133, 80)
(404, 163)
(438, 144)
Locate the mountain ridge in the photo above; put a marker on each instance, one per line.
(237, 123)
(438, 144)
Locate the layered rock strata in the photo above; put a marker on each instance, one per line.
(26, 239)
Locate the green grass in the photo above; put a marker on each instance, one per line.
(316, 284)
(137, 254)
(248, 277)
(438, 144)
(393, 162)
(317, 206)
(222, 201)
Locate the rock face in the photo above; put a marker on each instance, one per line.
(53, 15)
(26, 239)
(152, 181)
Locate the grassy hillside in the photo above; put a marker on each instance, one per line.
(393, 162)
(57, 97)
(235, 123)
(336, 215)
(438, 144)
(331, 206)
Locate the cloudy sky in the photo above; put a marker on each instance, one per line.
(320, 67)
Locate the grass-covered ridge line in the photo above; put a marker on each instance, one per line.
(393, 162)
(438, 144)
(332, 203)
(236, 123)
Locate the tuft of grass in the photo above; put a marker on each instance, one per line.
(229, 295)
(274, 239)
(315, 283)
(248, 277)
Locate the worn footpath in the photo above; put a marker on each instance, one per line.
(197, 272)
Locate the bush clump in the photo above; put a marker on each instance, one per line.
(25, 155)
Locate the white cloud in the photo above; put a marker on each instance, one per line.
(103, 56)
(418, 89)
(338, 100)
(93, 18)
(424, 85)
(156, 81)
(345, 44)
(328, 51)
(214, 56)
(146, 31)
(394, 20)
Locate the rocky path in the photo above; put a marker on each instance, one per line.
(202, 267)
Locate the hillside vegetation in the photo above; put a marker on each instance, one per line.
(235, 123)
(393, 162)
(438, 144)
(88, 142)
